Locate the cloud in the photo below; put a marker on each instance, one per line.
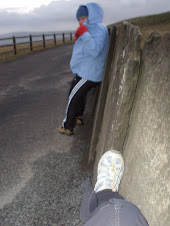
(60, 15)
(132, 2)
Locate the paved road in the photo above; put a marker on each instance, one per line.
(41, 171)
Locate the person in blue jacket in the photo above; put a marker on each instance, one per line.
(103, 205)
(87, 62)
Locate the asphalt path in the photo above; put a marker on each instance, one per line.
(41, 171)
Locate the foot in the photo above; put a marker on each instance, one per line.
(79, 121)
(110, 171)
(67, 132)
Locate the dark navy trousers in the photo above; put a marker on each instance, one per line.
(77, 100)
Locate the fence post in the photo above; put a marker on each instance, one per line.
(14, 44)
(71, 37)
(54, 39)
(31, 43)
(63, 38)
(43, 40)
(109, 31)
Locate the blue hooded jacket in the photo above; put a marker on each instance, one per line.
(89, 52)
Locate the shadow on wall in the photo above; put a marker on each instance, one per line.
(132, 116)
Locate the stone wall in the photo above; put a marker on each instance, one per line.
(99, 111)
(146, 151)
(116, 104)
(135, 120)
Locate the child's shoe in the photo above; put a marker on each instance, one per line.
(79, 121)
(67, 132)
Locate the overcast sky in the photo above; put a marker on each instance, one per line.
(59, 15)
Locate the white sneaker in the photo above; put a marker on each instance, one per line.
(110, 171)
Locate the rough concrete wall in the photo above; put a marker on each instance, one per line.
(146, 180)
(122, 84)
(102, 95)
(135, 119)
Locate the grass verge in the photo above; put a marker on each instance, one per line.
(159, 23)
(24, 50)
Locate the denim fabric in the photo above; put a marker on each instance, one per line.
(114, 212)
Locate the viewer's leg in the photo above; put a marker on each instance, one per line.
(110, 171)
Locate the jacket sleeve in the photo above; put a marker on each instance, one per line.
(94, 45)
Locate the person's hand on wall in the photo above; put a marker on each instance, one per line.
(80, 30)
